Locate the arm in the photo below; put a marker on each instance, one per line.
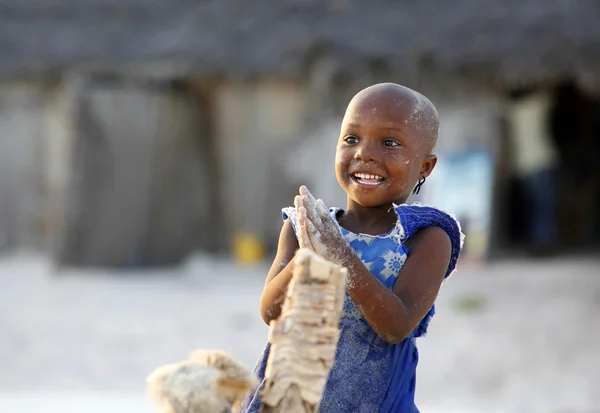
(394, 314)
(281, 270)
(279, 275)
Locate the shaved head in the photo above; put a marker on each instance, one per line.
(416, 111)
(386, 144)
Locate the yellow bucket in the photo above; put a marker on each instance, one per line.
(247, 248)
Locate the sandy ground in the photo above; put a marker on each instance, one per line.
(517, 336)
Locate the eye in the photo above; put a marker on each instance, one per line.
(391, 143)
(351, 140)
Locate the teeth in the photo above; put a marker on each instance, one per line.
(368, 179)
(368, 176)
(369, 183)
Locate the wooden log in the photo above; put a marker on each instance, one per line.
(303, 345)
(208, 381)
(304, 338)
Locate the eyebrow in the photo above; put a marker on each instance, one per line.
(357, 126)
(394, 129)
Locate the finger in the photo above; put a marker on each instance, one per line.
(302, 214)
(312, 230)
(305, 192)
(327, 218)
(303, 223)
(311, 205)
(303, 236)
(322, 206)
(301, 202)
(305, 202)
(301, 209)
(319, 206)
(312, 211)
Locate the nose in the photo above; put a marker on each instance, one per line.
(367, 152)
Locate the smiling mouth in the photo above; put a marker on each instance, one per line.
(367, 179)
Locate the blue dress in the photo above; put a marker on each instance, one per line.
(370, 375)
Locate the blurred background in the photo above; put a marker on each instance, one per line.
(147, 148)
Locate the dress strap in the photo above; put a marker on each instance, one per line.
(416, 217)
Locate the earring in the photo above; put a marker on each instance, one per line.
(419, 185)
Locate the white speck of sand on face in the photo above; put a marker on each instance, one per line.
(420, 104)
(424, 115)
(366, 119)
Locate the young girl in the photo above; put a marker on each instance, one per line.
(397, 255)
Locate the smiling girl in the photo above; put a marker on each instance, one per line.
(397, 255)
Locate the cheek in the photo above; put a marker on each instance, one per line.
(403, 171)
(398, 157)
(400, 185)
(340, 167)
(342, 159)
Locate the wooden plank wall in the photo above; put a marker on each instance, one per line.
(255, 123)
(22, 106)
(136, 191)
(112, 172)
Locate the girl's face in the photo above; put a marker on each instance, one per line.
(382, 152)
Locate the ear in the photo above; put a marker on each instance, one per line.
(427, 165)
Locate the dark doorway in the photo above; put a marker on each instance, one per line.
(571, 123)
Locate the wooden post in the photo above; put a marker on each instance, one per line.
(304, 338)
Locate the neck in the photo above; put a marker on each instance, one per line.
(378, 219)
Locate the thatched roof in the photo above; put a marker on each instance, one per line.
(514, 38)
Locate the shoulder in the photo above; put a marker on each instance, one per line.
(417, 216)
(287, 244)
(434, 242)
(429, 235)
(442, 229)
(289, 215)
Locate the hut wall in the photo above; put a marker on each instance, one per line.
(22, 107)
(465, 179)
(256, 125)
(55, 159)
(137, 178)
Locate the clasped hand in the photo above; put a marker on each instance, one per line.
(318, 230)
